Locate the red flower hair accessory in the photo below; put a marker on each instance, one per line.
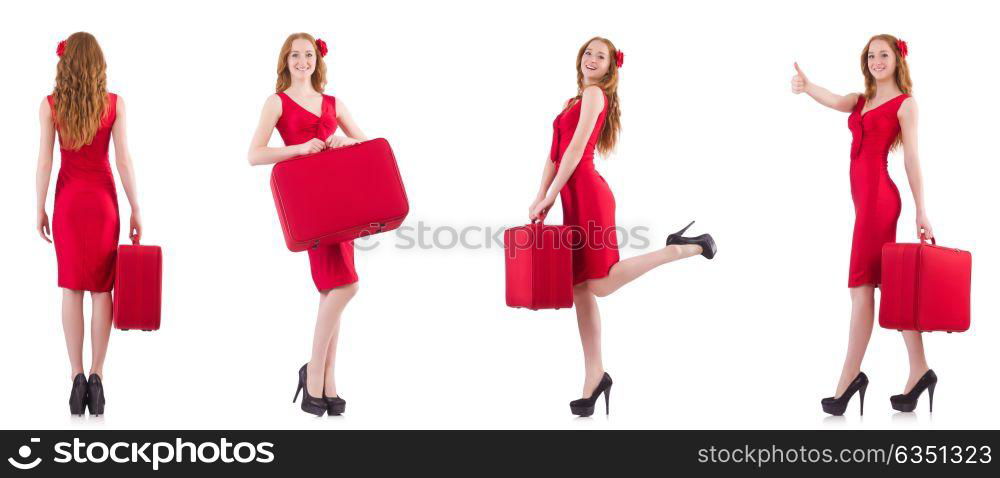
(61, 48)
(903, 50)
(620, 59)
(321, 45)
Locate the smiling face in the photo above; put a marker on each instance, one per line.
(595, 62)
(301, 59)
(881, 59)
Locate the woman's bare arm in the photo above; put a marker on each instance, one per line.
(911, 160)
(592, 103)
(260, 153)
(126, 170)
(43, 174)
(801, 84)
(548, 174)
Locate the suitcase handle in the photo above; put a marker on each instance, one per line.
(923, 240)
(135, 241)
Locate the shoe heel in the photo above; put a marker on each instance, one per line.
(862, 392)
(95, 404)
(681, 232)
(607, 401)
(297, 391)
(930, 395)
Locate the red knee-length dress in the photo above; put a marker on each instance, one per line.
(587, 203)
(332, 265)
(85, 221)
(876, 199)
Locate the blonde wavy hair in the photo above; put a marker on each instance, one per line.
(80, 95)
(285, 76)
(609, 84)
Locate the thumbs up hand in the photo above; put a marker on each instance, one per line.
(799, 80)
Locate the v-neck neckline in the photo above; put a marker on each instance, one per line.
(322, 103)
(863, 113)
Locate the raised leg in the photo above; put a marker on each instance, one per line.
(100, 331)
(862, 321)
(72, 320)
(588, 319)
(629, 269)
(332, 303)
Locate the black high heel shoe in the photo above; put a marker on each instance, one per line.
(334, 406)
(95, 395)
(907, 402)
(310, 404)
(78, 395)
(837, 406)
(708, 247)
(584, 407)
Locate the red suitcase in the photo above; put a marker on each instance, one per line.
(138, 287)
(925, 287)
(339, 194)
(539, 266)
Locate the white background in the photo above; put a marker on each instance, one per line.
(466, 93)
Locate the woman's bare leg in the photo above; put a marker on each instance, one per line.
(588, 319)
(72, 320)
(329, 379)
(100, 331)
(332, 303)
(862, 321)
(918, 361)
(629, 269)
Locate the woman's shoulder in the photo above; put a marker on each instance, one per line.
(115, 104)
(115, 101)
(908, 105)
(275, 100)
(46, 107)
(593, 97)
(595, 94)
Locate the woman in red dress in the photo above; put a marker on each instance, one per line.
(85, 222)
(307, 121)
(881, 119)
(590, 122)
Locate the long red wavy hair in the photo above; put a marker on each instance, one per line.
(80, 95)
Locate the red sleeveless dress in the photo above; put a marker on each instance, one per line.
(85, 222)
(876, 200)
(587, 203)
(332, 265)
